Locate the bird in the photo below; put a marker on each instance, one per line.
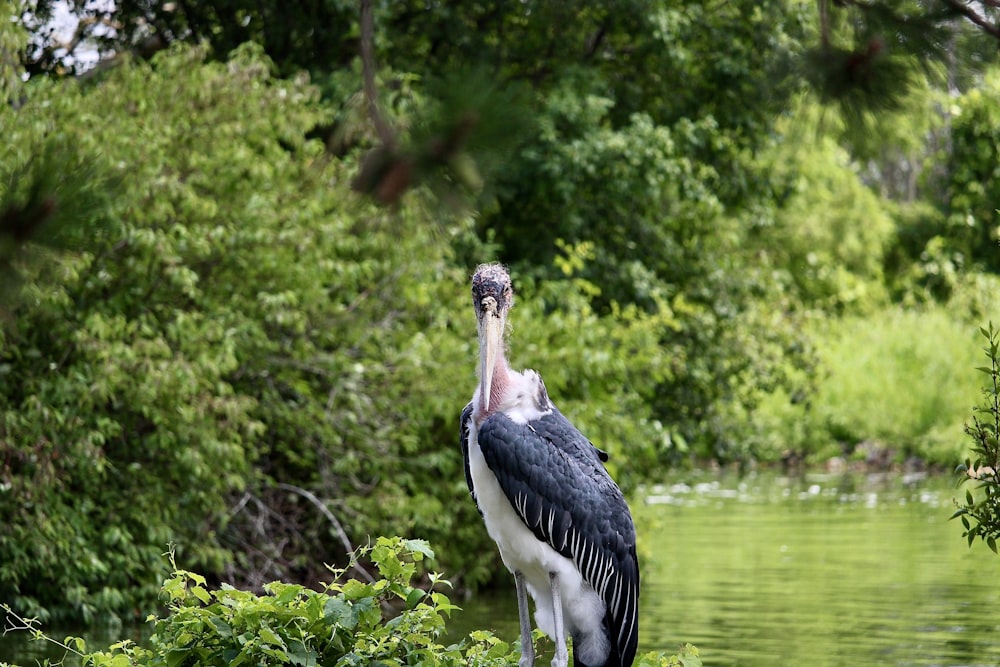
(561, 524)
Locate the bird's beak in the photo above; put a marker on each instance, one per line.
(490, 340)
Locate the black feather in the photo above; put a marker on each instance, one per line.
(463, 437)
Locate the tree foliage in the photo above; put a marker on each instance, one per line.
(973, 224)
(243, 311)
(249, 361)
(828, 234)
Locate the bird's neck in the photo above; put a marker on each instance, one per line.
(498, 391)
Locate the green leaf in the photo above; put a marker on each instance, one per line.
(414, 598)
(355, 590)
(195, 577)
(121, 660)
(338, 611)
(201, 594)
(419, 548)
(269, 636)
(300, 654)
(221, 627)
(177, 656)
(287, 594)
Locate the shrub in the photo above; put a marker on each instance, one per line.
(386, 621)
(980, 513)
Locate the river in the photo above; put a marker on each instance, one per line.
(772, 571)
(814, 571)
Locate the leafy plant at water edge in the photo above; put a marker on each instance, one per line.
(980, 513)
(388, 621)
(385, 621)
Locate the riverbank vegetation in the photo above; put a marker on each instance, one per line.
(387, 620)
(235, 307)
(980, 511)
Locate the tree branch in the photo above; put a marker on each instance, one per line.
(385, 133)
(595, 40)
(968, 12)
(325, 511)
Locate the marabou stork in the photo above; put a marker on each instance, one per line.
(561, 524)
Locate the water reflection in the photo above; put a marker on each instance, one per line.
(20, 649)
(815, 571)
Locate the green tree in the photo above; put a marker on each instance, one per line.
(13, 39)
(829, 233)
(973, 224)
(244, 322)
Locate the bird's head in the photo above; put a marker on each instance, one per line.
(492, 298)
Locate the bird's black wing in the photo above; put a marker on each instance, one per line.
(558, 429)
(553, 477)
(463, 436)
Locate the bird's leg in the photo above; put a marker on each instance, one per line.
(561, 658)
(527, 646)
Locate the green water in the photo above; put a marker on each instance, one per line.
(813, 572)
(770, 571)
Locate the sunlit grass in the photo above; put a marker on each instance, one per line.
(902, 379)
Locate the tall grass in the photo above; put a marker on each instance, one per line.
(902, 378)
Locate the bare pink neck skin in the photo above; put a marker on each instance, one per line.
(501, 381)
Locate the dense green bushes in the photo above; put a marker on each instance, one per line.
(250, 361)
(222, 333)
(973, 223)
